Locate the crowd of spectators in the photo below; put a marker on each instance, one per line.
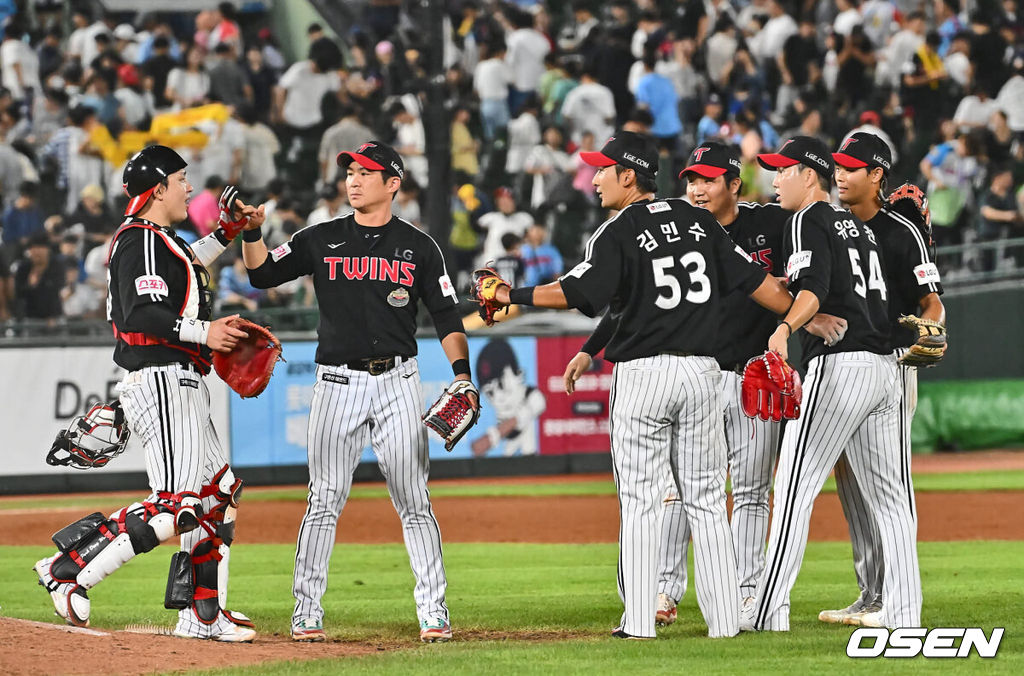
(529, 85)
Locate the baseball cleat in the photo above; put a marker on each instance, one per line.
(747, 611)
(667, 612)
(69, 600)
(874, 617)
(236, 634)
(618, 633)
(308, 631)
(849, 615)
(435, 630)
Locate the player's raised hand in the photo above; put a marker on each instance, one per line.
(576, 367)
(223, 337)
(256, 215)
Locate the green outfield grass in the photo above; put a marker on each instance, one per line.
(523, 588)
(1011, 480)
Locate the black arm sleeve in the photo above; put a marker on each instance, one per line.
(285, 263)
(598, 340)
(447, 321)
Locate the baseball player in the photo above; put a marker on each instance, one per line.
(369, 270)
(862, 167)
(851, 393)
(158, 302)
(713, 183)
(662, 267)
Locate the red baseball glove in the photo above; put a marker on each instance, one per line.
(248, 367)
(771, 388)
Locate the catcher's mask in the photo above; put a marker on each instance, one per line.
(91, 440)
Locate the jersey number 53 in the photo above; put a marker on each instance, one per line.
(699, 290)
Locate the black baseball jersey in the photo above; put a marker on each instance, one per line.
(909, 262)
(746, 326)
(662, 268)
(153, 286)
(368, 281)
(833, 254)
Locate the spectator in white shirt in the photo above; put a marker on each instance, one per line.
(527, 48)
(490, 82)
(523, 135)
(589, 107)
(261, 145)
(333, 204)
(848, 17)
(188, 86)
(901, 50)
(767, 42)
(1011, 97)
(974, 110)
(411, 139)
(19, 65)
(497, 223)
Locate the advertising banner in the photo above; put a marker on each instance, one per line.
(43, 389)
(576, 423)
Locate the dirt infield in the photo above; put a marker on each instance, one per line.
(35, 648)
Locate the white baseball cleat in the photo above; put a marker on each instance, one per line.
(850, 615)
(667, 612)
(69, 600)
(871, 618)
(747, 614)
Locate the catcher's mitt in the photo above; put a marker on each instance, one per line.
(486, 283)
(771, 388)
(453, 414)
(931, 342)
(248, 367)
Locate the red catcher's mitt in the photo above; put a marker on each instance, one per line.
(248, 367)
(771, 388)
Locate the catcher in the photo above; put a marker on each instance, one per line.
(903, 225)
(159, 306)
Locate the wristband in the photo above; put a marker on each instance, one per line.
(221, 236)
(460, 366)
(790, 328)
(193, 331)
(254, 235)
(523, 296)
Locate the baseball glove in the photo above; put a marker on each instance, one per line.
(771, 388)
(931, 342)
(486, 283)
(911, 202)
(452, 415)
(248, 367)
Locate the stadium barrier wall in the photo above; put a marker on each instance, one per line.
(527, 425)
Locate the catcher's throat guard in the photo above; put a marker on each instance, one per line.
(91, 440)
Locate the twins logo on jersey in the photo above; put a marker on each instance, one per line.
(371, 268)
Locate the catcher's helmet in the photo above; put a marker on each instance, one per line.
(91, 440)
(145, 171)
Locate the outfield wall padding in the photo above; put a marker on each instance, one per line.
(966, 415)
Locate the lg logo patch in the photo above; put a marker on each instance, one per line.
(914, 641)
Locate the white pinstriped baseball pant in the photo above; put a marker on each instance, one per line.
(864, 538)
(751, 445)
(666, 418)
(851, 402)
(350, 409)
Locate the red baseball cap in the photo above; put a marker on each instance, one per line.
(712, 159)
(631, 150)
(375, 156)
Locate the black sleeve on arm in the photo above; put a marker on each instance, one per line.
(283, 264)
(809, 267)
(590, 286)
(447, 320)
(598, 340)
(736, 269)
